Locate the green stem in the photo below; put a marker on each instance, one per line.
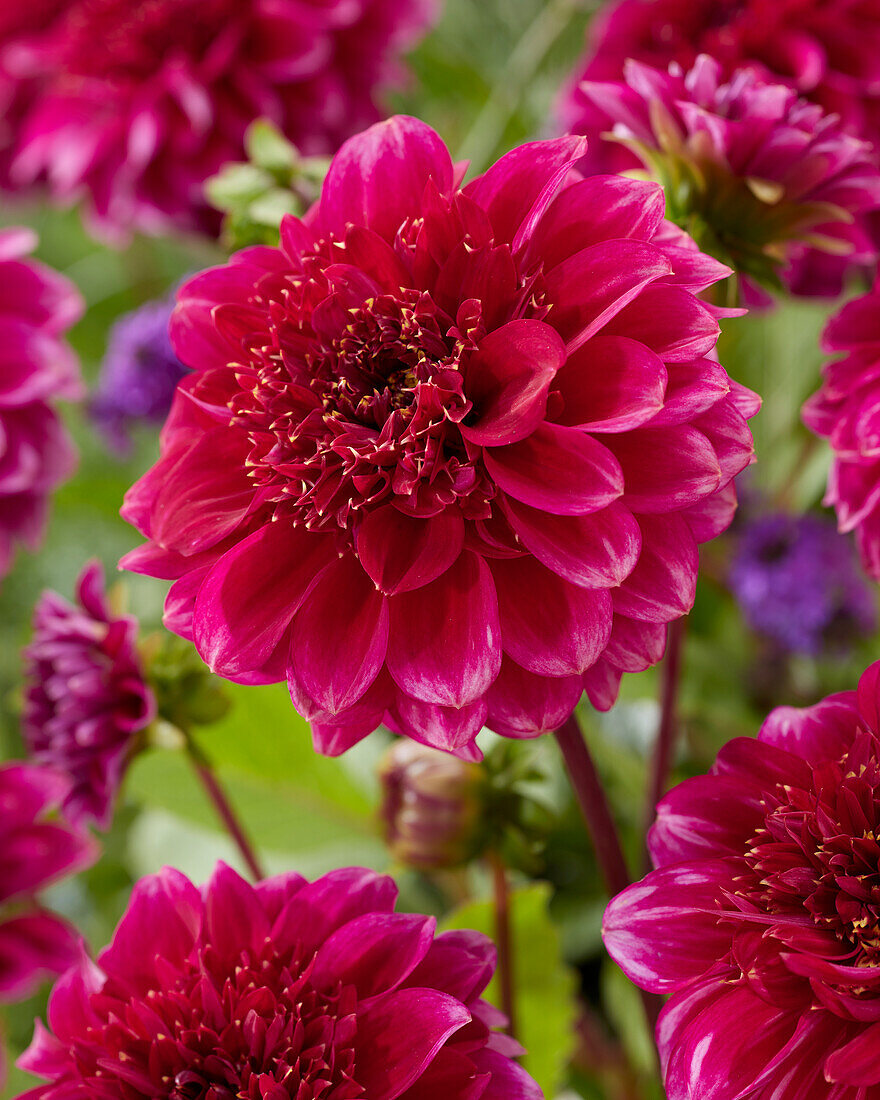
(504, 940)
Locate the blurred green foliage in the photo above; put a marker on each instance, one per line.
(486, 78)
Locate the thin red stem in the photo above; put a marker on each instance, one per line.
(667, 731)
(596, 812)
(594, 806)
(504, 940)
(224, 809)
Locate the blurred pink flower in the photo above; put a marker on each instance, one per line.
(36, 307)
(137, 105)
(762, 178)
(846, 411)
(827, 50)
(34, 852)
(762, 918)
(86, 697)
(446, 454)
(284, 991)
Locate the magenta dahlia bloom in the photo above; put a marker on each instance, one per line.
(284, 990)
(137, 105)
(86, 696)
(764, 179)
(35, 850)
(36, 307)
(827, 50)
(762, 918)
(446, 454)
(846, 411)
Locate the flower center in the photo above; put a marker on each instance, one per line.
(249, 1031)
(356, 402)
(818, 850)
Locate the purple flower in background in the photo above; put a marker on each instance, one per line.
(87, 696)
(139, 373)
(797, 581)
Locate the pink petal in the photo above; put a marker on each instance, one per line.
(589, 289)
(398, 1037)
(452, 729)
(508, 378)
(858, 1062)
(340, 636)
(378, 177)
(402, 553)
(611, 384)
(595, 551)
(556, 469)
(663, 584)
(522, 704)
(375, 952)
(445, 639)
(247, 601)
(549, 626)
(235, 919)
(670, 321)
(666, 468)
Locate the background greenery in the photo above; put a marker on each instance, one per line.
(486, 78)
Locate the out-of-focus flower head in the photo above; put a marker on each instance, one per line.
(798, 582)
(137, 105)
(760, 178)
(139, 374)
(37, 306)
(846, 411)
(445, 455)
(86, 696)
(432, 805)
(289, 989)
(762, 919)
(35, 850)
(827, 50)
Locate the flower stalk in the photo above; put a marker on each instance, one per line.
(504, 940)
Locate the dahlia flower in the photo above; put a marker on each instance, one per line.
(827, 50)
(759, 176)
(286, 989)
(845, 412)
(445, 455)
(139, 374)
(137, 105)
(35, 852)
(36, 307)
(762, 918)
(797, 582)
(86, 697)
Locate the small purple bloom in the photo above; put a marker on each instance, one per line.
(797, 581)
(87, 696)
(138, 375)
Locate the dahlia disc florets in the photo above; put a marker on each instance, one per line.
(137, 105)
(761, 178)
(284, 991)
(762, 918)
(445, 455)
(86, 696)
(845, 412)
(37, 306)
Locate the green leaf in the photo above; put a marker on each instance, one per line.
(544, 987)
(268, 148)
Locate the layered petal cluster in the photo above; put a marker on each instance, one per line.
(798, 582)
(86, 697)
(307, 991)
(762, 918)
(445, 455)
(137, 105)
(827, 50)
(139, 374)
(37, 367)
(846, 412)
(36, 851)
(762, 178)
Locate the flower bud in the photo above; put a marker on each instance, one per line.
(432, 806)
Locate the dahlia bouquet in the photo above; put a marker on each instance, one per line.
(439, 539)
